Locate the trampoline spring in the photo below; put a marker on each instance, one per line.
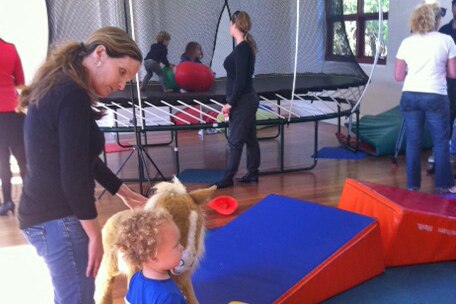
(199, 111)
(206, 106)
(118, 114)
(167, 113)
(278, 106)
(216, 102)
(168, 122)
(182, 111)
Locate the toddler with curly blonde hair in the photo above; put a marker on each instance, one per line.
(150, 240)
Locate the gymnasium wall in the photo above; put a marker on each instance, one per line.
(24, 23)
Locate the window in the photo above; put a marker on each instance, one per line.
(359, 20)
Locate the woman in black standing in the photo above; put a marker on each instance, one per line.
(57, 211)
(242, 102)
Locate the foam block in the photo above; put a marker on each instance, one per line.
(415, 227)
(283, 250)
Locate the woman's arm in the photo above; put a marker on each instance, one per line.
(451, 68)
(400, 70)
(114, 185)
(95, 249)
(105, 177)
(130, 198)
(18, 72)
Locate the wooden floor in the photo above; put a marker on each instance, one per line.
(321, 185)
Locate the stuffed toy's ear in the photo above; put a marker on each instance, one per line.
(201, 196)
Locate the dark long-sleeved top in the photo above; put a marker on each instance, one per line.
(449, 30)
(159, 53)
(62, 144)
(239, 66)
(187, 59)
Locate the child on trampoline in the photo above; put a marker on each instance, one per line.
(157, 54)
(193, 53)
(150, 240)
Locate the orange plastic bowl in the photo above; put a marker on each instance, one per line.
(224, 204)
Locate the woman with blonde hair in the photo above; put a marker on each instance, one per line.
(424, 93)
(57, 212)
(241, 102)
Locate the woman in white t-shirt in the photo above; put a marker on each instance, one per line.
(423, 62)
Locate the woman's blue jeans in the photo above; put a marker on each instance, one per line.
(434, 109)
(63, 244)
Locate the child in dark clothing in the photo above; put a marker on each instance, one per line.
(193, 52)
(157, 54)
(150, 240)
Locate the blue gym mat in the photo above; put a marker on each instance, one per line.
(426, 284)
(339, 153)
(203, 176)
(269, 248)
(449, 195)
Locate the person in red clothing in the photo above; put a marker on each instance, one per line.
(11, 123)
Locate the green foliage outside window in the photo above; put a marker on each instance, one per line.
(354, 16)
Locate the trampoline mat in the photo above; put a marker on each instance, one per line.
(269, 248)
(265, 85)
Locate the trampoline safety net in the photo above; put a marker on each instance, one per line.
(206, 21)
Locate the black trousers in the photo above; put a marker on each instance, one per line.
(242, 130)
(11, 142)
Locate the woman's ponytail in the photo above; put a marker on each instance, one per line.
(249, 39)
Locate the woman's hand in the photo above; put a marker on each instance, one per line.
(130, 198)
(95, 248)
(226, 109)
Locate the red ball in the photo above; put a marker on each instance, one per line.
(193, 77)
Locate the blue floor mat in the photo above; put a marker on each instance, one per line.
(417, 284)
(203, 176)
(339, 153)
(449, 195)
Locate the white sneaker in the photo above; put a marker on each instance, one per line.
(430, 159)
(452, 189)
(445, 190)
(452, 158)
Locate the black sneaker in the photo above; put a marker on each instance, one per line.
(7, 207)
(248, 178)
(224, 183)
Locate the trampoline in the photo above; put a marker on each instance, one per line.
(267, 86)
(310, 86)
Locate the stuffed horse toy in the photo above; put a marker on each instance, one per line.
(185, 209)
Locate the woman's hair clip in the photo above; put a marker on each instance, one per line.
(442, 12)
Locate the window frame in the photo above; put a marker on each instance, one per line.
(361, 19)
